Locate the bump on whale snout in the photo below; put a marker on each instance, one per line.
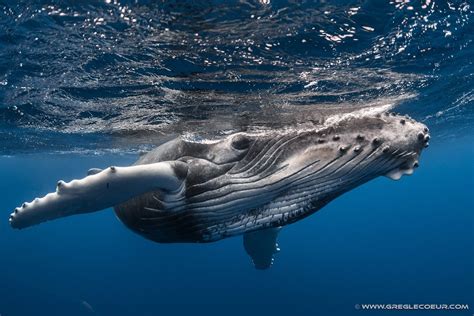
(420, 138)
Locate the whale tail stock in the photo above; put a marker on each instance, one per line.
(99, 190)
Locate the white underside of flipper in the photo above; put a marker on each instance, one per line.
(100, 190)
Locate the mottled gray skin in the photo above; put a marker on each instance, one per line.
(247, 182)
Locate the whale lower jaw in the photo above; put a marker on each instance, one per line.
(407, 169)
(396, 174)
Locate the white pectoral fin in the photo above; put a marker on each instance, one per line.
(261, 245)
(100, 190)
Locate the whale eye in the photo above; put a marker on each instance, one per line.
(240, 142)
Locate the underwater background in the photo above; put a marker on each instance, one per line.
(93, 83)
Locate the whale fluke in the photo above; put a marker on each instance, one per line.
(101, 190)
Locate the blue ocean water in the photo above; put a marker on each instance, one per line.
(93, 83)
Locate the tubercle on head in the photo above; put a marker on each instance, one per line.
(343, 149)
(424, 137)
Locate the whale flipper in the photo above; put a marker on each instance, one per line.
(92, 171)
(99, 191)
(261, 245)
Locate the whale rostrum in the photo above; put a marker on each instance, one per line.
(244, 183)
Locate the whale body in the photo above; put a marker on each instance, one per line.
(249, 184)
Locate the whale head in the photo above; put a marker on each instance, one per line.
(347, 148)
(367, 146)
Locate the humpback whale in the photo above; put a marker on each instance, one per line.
(246, 183)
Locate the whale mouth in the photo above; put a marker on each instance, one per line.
(397, 173)
(406, 168)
